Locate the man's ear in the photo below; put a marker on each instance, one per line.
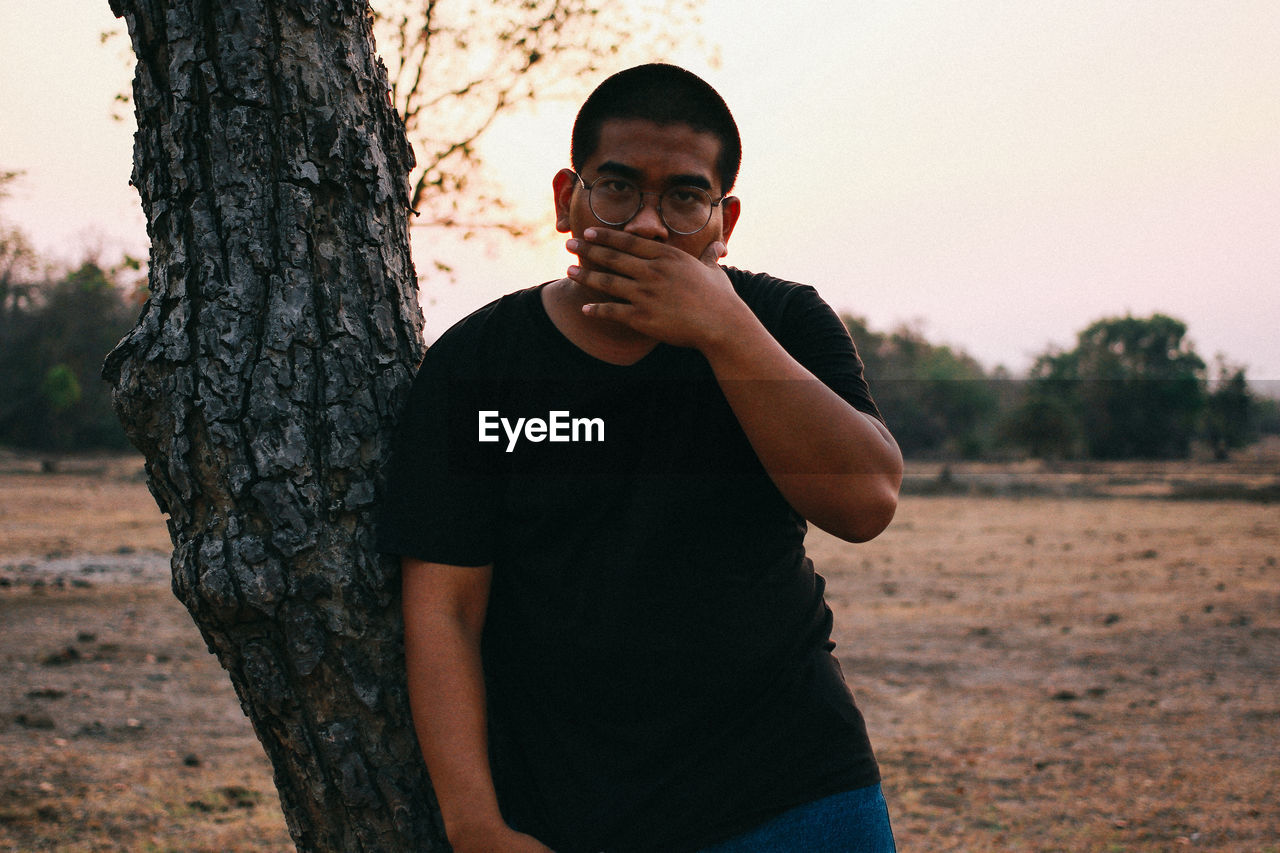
(730, 209)
(563, 185)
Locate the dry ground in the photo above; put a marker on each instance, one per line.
(1038, 673)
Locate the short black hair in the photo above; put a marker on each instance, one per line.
(663, 94)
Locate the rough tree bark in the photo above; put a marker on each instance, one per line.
(263, 378)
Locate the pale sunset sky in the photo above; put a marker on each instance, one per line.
(1002, 172)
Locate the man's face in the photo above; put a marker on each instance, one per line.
(655, 157)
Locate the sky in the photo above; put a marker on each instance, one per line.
(997, 172)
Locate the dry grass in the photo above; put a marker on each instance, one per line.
(88, 505)
(1070, 674)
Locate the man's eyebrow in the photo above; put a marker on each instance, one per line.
(622, 170)
(690, 180)
(631, 173)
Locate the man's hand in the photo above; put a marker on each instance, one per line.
(663, 292)
(837, 467)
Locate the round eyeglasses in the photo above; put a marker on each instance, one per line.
(684, 209)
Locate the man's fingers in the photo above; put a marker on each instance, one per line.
(714, 252)
(606, 282)
(602, 257)
(630, 244)
(617, 311)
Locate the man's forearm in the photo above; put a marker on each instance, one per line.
(447, 698)
(449, 719)
(839, 468)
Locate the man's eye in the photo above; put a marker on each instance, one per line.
(615, 186)
(682, 195)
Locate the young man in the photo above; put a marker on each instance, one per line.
(614, 639)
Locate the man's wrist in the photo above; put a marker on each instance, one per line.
(474, 832)
(731, 342)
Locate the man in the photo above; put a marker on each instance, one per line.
(614, 640)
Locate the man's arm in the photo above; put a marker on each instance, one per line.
(838, 467)
(444, 613)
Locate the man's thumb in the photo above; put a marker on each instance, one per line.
(714, 252)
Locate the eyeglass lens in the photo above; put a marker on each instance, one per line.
(683, 209)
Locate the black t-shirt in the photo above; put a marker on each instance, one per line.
(657, 649)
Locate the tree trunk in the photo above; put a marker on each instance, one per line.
(263, 378)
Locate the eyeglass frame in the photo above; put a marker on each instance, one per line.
(588, 187)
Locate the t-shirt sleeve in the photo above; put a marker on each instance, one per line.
(439, 498)
(817, 338)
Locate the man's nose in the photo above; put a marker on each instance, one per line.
(648, 221)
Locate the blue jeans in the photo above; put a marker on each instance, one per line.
(852, 822)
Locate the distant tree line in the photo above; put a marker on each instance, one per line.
(54, 333)
(1132, 387)
(55, 329)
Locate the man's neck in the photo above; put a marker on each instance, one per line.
(603, 339)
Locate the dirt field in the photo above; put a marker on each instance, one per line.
(1053, 672)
